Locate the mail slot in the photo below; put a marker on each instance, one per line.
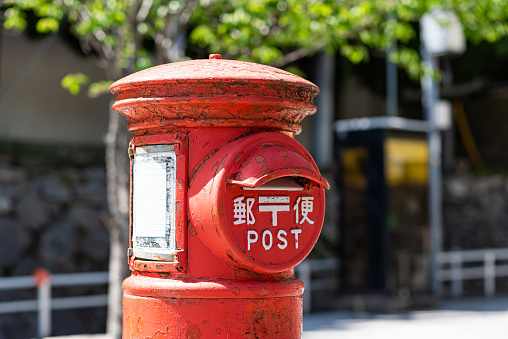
(265, 203)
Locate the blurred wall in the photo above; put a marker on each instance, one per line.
(33, 105)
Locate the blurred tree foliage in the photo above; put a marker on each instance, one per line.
(129, 35)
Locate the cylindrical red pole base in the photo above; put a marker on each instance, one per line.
(164, 308)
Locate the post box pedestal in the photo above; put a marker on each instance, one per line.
(202, 309)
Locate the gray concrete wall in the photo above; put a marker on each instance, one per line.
(33, 105)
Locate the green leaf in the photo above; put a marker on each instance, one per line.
(47, 25)
(266, 54)
(15, 19)
(296, 71)
(73, 82)
(355, 54)
(203, 36)
(99, 88)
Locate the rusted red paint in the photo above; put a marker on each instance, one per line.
(41, 276)
(214, 93)
(217, 310)
(232, 124)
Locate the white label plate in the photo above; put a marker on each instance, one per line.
(153, 198)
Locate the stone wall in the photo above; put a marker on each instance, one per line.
(475, 216)
(475, 212)
(51, 217)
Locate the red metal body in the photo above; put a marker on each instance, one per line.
(246, 201)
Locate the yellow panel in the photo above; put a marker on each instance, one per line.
(354, 161)
(406, 161)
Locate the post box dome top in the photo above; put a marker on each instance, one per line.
(214, 92)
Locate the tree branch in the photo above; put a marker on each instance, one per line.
(144, 8)
(296, 55)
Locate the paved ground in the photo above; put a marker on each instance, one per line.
(464, 319)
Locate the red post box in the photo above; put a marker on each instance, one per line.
(224, 202)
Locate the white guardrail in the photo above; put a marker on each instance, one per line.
(304, 272)
(44, 282)
(44, 303)
(486, 264)
(483, 264)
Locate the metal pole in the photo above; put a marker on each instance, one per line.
(44, 307)
(430, 94)
(489, 274)
(322, 136)
(305, 276)
(457, 276)
(391, 84)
